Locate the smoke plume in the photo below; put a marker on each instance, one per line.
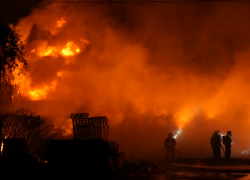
(150, 68)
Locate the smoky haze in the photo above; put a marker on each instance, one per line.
(150, 68)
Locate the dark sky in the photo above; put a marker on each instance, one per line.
(12, 10)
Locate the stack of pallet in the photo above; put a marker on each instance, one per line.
(114, 147)
(85, 127)
(113, 154)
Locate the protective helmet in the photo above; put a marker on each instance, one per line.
(229, 132)
(170, 134)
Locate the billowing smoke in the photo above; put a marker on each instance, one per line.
(150, 68)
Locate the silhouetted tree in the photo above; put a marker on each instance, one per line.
(11, 57)
(36, 130)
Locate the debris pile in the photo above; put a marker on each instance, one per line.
(123, 168)
(135, 169)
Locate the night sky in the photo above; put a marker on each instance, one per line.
(12, 10)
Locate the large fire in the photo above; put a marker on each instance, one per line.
(148, 74)
(68, 50)
(40, 93)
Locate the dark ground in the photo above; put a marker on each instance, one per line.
(178, 169)
(204, 169)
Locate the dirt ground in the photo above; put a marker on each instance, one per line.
(204, 169)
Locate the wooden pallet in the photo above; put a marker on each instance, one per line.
(85, 127)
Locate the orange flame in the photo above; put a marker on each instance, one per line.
(38, 94)
(2, 147)
(49, 51)
(68, 51)
(43, 50)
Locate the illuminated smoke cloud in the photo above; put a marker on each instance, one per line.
(150, 68)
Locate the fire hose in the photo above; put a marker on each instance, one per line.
(165, 148)
(223, 150)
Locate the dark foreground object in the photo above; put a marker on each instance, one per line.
(67, 159)
(177, 169)
(79, 158)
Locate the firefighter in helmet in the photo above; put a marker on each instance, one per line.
(227, 141)
(219, 133)
(170, 144)
(215, 142)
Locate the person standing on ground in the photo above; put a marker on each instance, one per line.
(170, 144)
(227, 141)
(215, 142)
(219, 133)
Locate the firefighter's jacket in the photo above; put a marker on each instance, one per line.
(169, 143)
(228, 140)
(215, 140)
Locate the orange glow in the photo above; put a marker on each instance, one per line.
(60, 22)
(1, 147)
(59, 74)
(38, 93)
(68, 131)
(68, 51)
(183, 117)
(62, 74)
(49, 51)
(41, 93)
(144, 73)
(33, 50)
(33, 93)
(85, 42)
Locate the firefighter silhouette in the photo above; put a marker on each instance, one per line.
(219, 133)
(215, 142)
(170, 144)
(227, 141)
